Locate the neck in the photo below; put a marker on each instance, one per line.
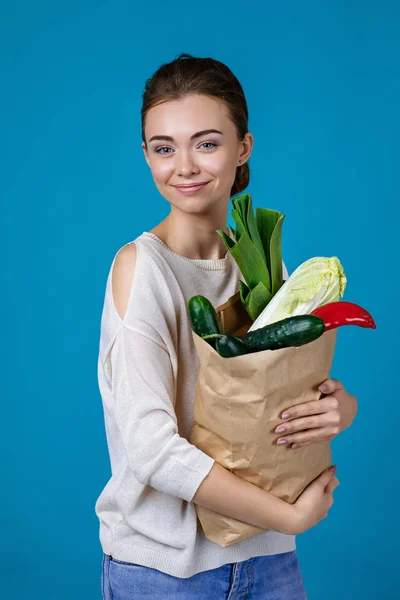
(194, 235)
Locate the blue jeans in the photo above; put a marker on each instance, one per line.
(275, 577)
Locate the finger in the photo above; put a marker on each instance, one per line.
(311, 435)
(300, 445)
(331, 486)
(314, 407)
(329, 386)
(335, 483)
(304, 423)
(325, 478)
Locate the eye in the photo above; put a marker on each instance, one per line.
(210, 143)
(162, 148)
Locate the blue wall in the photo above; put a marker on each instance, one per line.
(322, 85)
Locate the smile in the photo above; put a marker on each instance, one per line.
(193, 189)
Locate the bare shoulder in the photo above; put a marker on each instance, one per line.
(122, 277)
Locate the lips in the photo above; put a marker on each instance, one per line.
(192, 189)
(190, 185)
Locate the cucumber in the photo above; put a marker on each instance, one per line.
(203, 318)
(292, 331)
(229, 346)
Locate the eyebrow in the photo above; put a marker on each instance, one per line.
(168, 138)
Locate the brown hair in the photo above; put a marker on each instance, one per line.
(188, 74)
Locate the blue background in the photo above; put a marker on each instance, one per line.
(323, 89)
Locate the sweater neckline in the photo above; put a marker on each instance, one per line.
(205, 263)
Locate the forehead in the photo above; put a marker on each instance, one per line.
(183, 116)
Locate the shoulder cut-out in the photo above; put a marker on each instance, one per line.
(122, 277)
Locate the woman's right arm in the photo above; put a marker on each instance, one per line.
(228, 494)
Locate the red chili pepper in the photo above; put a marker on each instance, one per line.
(336, 314)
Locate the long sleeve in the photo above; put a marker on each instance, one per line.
(143, 395)
(148, 368)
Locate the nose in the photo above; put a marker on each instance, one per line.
(185, 164)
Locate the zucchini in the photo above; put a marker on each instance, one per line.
(203, 318)
(292, 331)
(229, 346)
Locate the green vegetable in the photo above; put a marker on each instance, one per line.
(256, 248)
(229, 346)
(314, 283)
(203, 318)
(293, 331)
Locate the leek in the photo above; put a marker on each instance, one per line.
(256, 247)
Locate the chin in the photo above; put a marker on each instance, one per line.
(198, 203)
(193, 209)
(186, 202)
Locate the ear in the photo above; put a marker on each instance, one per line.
(246, 147)
(146, 156)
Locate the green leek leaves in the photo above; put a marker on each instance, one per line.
(257, 250)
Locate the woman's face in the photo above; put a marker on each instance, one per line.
(177, 156)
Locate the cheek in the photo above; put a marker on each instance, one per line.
(161, 169)
(218, 165)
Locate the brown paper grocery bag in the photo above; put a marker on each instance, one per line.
(238, 403)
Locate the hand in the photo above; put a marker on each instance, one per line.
(313, 503)
(319, 420)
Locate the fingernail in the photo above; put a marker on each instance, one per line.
(280, 429)
(323, 388)
(281, 441)
(285, 415)
(332, 469)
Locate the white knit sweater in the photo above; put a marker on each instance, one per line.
(147, 373)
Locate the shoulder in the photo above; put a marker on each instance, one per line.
(122, 277)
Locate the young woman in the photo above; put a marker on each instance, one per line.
(197, 145)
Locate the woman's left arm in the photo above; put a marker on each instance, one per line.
(318, 420)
